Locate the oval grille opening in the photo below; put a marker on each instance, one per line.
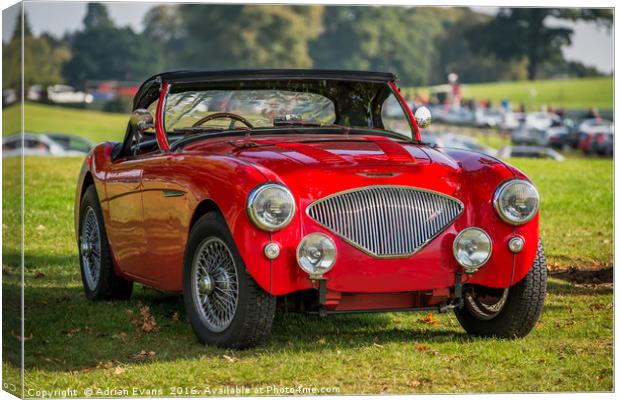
(386, 221)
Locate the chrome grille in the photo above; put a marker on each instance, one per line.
(386, 221)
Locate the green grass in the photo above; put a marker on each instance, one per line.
(77, 344)
(570, 94)
(94, 125)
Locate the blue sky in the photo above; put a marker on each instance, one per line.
(591, 45)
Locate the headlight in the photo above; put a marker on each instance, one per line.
(516, 201)
(271, 207)
(316, 254)
(472, 249)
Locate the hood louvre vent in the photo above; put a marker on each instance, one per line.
(386, 221)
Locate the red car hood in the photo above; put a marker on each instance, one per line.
(313, 166)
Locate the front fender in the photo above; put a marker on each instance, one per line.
(227, 182)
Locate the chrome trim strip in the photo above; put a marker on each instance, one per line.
(172, 193)
(366, 217)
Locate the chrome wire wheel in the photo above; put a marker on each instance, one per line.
(215, 285)
(486, 306)
(90, 248)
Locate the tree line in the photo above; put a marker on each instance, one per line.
(420, 44)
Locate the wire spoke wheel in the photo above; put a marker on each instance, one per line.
(215, 285)
(90, 248)
(486, 306)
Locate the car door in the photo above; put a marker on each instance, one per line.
(167, 212)
(125, 227)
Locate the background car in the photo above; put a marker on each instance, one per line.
(589, 128)
(451, 140)
(529, 152)
(46, 144)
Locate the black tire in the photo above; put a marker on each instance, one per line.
(250, 322)
(108, 285)
(521, 309)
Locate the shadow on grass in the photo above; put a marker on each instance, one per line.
(68, 333)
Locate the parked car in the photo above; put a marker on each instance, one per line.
(45, 144)
(317, 204)
(561, 137)
(542, 120)
(454, 116)
(529, 152)
(603, 144)
(529, 136)
(451, 140)
(9, 96)
(589, 128)
(65, 94)
(489, 118)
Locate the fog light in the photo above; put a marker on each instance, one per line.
(472, 249)
(316, 254)
(516, 244)
(272, 250)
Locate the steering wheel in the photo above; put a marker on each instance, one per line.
(233, 118)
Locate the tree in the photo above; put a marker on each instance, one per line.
(43, 59)
(248, 36)
(97, 17)
(17, 33)
(521, 33)
(165, 26)
(103, 51)
(455, 56)
(395, 39)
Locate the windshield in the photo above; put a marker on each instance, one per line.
(261, 108)
(321, 106)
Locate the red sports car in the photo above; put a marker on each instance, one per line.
(304, 190)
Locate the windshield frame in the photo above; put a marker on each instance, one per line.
(385, 88)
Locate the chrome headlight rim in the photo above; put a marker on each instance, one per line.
(252, 212)
(498, 193)
(467, 268)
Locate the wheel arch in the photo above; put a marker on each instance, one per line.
(204, 206)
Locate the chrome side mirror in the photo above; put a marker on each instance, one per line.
(423, 117)
(142, 120)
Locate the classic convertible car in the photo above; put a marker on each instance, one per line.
(251, 191)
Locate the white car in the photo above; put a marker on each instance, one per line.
(64, 94)
(48, 144)
(455, 141)
(542, 120)
(529, 152)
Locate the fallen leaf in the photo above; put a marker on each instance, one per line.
(146, 322)
(119, 370)
(429, 319)
(229, 358)
(422, 347)
(414, 383)
(104, 365)
(121, 335)
(143, 355)
(40, 227)
(71, 332)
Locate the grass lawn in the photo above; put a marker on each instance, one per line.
(570, 94)
(73, 343)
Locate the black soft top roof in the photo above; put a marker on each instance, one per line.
(148, 90)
